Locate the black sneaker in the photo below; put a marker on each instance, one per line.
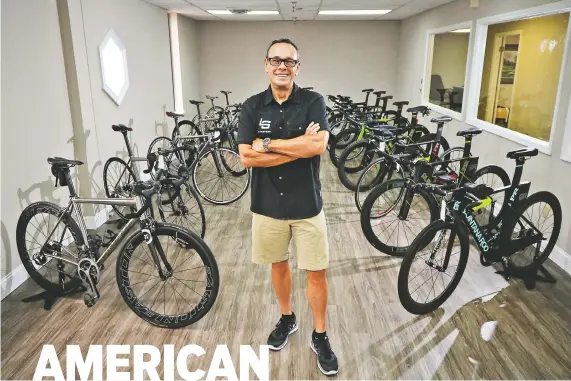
(326, 359)
(279, 336)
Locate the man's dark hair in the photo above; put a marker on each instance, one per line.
(282, 41)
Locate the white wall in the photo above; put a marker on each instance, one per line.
(36, 121)
(336, 57)
(545, 172)
(36, 116)
(144, 30)
(189, 62)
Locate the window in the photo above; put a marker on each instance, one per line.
(566, 146)
(518, 77)
(446, 69)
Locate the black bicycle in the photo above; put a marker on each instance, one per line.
(521, 238)
(395, 211)
(217, 172)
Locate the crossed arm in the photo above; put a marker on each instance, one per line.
(282, 151)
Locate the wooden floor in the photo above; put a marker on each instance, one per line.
(489, 329)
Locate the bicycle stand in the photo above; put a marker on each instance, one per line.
(50, 298)
(530, 279)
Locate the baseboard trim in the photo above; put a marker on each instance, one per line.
(561, 258)
(14, 280)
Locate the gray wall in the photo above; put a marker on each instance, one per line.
(336, 57)
(36, 121)
(36, 116)
(143, 29)
(545, 172)
(189, 62)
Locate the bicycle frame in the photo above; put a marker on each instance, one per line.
(462, 211)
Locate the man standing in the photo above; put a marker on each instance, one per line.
(281, 135)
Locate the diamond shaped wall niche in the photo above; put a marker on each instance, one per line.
(114, 73)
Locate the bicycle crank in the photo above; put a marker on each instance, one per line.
(89, 274)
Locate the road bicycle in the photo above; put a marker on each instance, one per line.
(218, 175)
(186, 209)
(412, 138)
(386, 167)
(504, 240)
(400, 208)
(152, 253)
(360, 130)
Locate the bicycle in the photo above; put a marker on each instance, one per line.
(499, 242)
(79, 252)
(208, 162)
(186, 208)
(368, 145)
(384, 168)
(402, 196)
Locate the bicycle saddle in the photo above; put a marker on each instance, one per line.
(174, 114)
(61, 162)
(401, 103)
(469, 132)
(211, 97)
(225, 92)
(368, 90)
(379, 93)
(196, 102)
(121, 128)
(522, 152)
(422, 109)
(386, 97)
(441, 119)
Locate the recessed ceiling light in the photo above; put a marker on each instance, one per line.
(356, 12)
(263, 13)
(219, 12)
(461, 31)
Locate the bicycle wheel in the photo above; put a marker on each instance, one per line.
(539, 213)
(191, 276)
(117, 177)
(65, 242)
(185, 210)
(432, 253)
(340, 142)
(354, 159)
(398, 220)
(219, 176)
(185, 128)
(375, 173)
(494, 177)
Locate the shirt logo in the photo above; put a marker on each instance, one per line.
(265, 124)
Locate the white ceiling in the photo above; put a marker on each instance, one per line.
(196, 9)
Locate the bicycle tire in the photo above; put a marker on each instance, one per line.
(377, 192)
(377, 180)
(539, 197)
(109, 194)
(368, 148)
(183, 236)
(193, 130)
(334, 145)
(427, 234)
(201, 230)
(202, 194)
(25, 218)
(505, 179)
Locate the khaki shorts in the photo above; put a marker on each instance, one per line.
(271, 241)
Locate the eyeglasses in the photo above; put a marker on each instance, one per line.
(274, 61)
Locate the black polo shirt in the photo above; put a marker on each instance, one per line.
(291, 190)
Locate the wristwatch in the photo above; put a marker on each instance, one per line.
(266, 143)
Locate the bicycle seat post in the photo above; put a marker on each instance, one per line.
(127, 143)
